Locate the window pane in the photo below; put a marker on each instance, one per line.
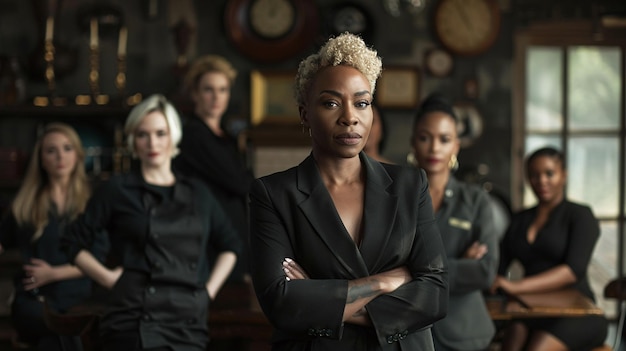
(592, 173)
(594, 88)
(534, 142)
(543, 89)
(603, 265)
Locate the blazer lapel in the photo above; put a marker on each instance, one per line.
(320, 211)
(379, 213)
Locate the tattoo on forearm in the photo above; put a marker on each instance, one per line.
(356, 292)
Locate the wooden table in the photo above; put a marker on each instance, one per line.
(559, 303)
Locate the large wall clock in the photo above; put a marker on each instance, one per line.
(271, 30)
(467, 27)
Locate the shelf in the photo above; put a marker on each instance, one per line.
(64, 112)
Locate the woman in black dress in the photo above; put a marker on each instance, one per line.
(554, 242)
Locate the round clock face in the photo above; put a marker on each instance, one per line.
(467, 27)
(439, 62)
(350, 19)
(270, 30)
(272, 18)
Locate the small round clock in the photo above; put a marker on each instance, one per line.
(353, 18)
(438, 62)
(271, 30)
(467, 27)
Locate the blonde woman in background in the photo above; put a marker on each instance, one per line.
(161, 227)
(210, 153)
(54, 191)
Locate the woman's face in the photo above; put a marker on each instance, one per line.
(153, 144)
(212, 94)
(338, 111)
(547, 178)
(58, 155)
(435, 141)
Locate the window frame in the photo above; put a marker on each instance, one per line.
(564, 34)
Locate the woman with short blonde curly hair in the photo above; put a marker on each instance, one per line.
(346, 254)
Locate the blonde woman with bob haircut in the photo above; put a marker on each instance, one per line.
(347, 254)
(54, 192)
(161, 227)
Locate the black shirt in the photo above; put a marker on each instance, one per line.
(162, 244)
(216, 161)
(62, 294)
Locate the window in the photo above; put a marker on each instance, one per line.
(571, 97)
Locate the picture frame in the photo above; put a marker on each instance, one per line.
(271, 97)
(398, 87)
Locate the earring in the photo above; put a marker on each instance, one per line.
(310, 133)
(453, 163)
(411, 160)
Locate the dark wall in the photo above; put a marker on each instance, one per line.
(400, 41)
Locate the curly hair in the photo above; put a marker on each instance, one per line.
(205, 64)
(345, 49)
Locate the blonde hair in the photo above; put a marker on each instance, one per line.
(205, 64)
(156, 102)
(345, 49)
(31, 205)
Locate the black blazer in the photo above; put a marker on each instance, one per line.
(293, 215)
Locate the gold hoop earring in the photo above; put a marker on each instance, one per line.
(453, 163)
(411, 160)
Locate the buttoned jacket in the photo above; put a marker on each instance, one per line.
(465, 217)
(294, 216)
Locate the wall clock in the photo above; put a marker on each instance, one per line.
(271, 30)
(352, 18)
(467, 27)
(438, 62)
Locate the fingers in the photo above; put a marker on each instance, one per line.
(476, 251)
(30, 283)
(37, 261)
(293, 270)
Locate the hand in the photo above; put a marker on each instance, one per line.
(476, 251)
(504, 284)
(395, 278)
(293, 270)
(38, 273)
(112, 277)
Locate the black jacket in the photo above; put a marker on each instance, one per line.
(294, 216)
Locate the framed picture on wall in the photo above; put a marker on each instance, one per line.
(398, 87)
(271, 97)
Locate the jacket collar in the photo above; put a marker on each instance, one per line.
(378, 215)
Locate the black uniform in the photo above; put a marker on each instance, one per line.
(217, 162)
(160, 236)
